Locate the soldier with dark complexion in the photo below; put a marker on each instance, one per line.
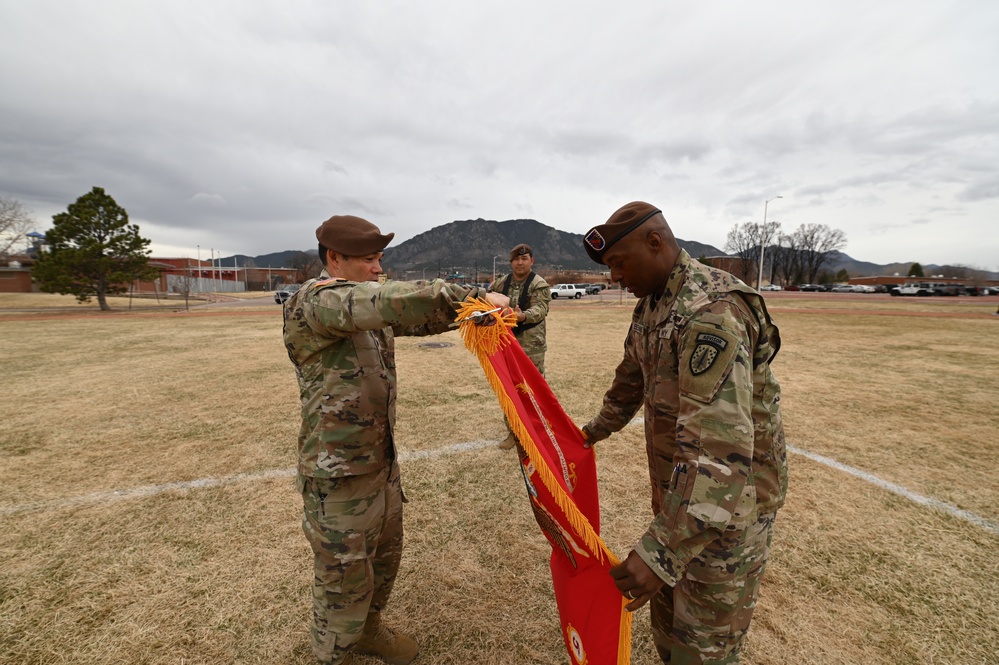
(697, 357)
(339, 332)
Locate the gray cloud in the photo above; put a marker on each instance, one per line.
(243, 124)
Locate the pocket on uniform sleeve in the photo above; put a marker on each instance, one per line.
(681, 486)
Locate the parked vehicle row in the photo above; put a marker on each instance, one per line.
(942, 289)
(910, 289)
(840, 288)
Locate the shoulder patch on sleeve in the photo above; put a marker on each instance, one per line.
(327, 282)
(705, 361)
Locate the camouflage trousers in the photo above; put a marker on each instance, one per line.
(354, 525)
(704, 618)
(538, 358)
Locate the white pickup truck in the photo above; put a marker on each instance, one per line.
(914, 289)
(567, 291)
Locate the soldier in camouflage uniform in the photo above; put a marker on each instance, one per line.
(531, 295)
(338, 330)
(698, 357)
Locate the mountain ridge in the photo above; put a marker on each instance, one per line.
(472, 244)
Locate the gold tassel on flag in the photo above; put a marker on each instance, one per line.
(603, 641)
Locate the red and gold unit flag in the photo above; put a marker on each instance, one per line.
(561, 480)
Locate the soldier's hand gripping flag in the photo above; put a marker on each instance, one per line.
(561, 479)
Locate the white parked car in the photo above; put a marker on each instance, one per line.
(567, 291)
(771, 287)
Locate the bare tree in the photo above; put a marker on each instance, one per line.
(183, 283)
(306, 265)
(16, 223)
(956, 271)
(768, 234)
(815, 243)
(785, 260)
(743, 242)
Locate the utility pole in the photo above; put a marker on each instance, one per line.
(763, 236)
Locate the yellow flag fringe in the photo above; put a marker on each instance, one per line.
(484, 341)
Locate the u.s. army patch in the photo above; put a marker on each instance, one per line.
(706, 360)
(707, 347)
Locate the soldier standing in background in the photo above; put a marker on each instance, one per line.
(698, 357)
(338, 330)
(529, 295)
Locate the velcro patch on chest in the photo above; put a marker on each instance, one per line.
(706, 360)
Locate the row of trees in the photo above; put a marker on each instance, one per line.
(789, 258)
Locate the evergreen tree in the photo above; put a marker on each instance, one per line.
(915, 270)
(94, 251)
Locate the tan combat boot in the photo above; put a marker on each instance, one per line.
(509, 442)
(391, 646)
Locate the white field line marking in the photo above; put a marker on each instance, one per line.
(891, 487)
(201, 483)
(901, 491)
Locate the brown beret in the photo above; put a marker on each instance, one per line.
(520, 250)
(352, 236)
(625, 220)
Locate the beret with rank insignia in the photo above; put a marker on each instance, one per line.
(625, 220)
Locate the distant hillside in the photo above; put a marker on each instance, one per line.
(464, 245)
(273, 260)
(840, 261)
(468, 244)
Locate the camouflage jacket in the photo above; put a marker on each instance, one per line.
(532, 340)
(340, 337)
(698, 357)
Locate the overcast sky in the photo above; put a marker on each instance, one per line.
(240, 125)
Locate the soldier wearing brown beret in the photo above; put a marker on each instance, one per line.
(697, 357)
(351, 236)
(339, 331)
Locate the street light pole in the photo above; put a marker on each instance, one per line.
(494, 267)
(763, 235)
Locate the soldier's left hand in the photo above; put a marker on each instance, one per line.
(635, 580)
(497, 299)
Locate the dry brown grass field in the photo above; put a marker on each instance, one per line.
(149, 514)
